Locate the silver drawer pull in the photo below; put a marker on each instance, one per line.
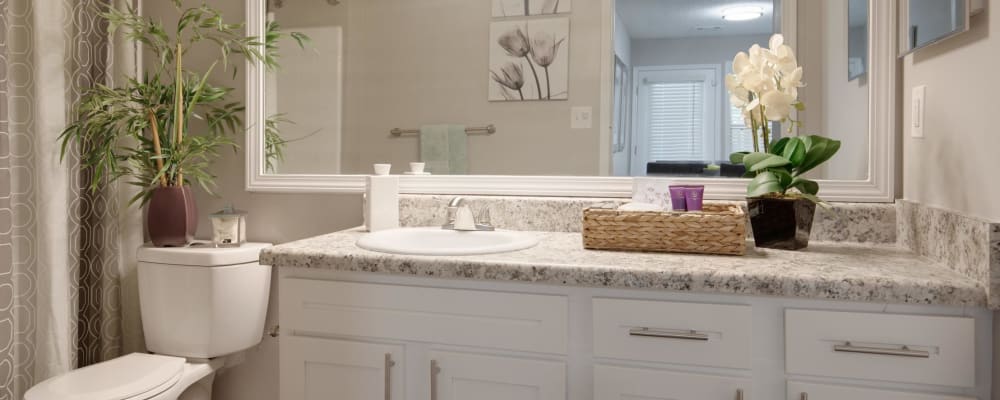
(647, 332)
(388, 378)
(900, 352)
(434, 384)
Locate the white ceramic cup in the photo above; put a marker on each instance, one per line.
(417, 167)
(382, 169)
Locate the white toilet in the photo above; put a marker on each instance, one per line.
(199, 304)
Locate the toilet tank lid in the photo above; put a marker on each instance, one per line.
(202, 254)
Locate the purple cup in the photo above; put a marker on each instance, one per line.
(694, 197)
(677, 198)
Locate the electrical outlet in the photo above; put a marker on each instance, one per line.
(582, 118)
(918, 102)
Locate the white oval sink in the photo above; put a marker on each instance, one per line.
(442, 242)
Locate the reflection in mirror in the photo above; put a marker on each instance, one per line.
(439, 70)
(684, 122)
(857, 38)
(933, 20)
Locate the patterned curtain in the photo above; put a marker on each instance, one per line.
(60, 258)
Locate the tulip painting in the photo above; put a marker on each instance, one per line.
(520, 8)
(529, 60)
(511, 76)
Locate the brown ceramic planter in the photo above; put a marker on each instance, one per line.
(781, 223)
(171, 216)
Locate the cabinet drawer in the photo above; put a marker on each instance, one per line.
(462, 376)
(890, 347)
(622, 383)
(813, 391)
(513, 321)
(678, 333)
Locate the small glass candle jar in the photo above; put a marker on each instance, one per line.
(229, 227)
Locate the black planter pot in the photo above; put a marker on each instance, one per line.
(779, 223)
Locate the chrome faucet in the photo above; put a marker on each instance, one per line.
(461, 218)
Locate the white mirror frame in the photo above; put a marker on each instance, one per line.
(879, 187)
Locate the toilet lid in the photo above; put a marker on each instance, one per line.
(118, 379)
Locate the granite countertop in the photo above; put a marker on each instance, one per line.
(826, 270)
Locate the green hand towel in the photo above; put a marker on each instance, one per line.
(443, 149)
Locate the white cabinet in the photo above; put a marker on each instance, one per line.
(321, 369)
(510, 321)
(714, 335)
(461, 376)
(921, 349)
(375, 338)
(621, 383)
(813, 391)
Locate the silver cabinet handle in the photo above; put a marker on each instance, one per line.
(434, 385)
(903, 351)
(388, 377)
(657, 333)
(739, 394)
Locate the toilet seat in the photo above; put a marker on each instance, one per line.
(136, 376)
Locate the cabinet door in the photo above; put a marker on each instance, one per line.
(323, 369)
(460, 376)
(621, 383)
(813, 391)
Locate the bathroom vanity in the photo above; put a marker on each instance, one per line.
(839, 321)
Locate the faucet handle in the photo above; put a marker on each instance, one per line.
(484, 217)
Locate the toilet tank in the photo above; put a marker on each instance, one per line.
(201, 301)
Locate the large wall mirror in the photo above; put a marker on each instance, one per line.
(557, 97)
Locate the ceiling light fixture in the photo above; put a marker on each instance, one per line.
(743, 13)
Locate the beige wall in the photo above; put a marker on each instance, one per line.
(411, 63)
(273, 217)
(955, 166)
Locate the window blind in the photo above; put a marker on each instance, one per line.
(740, 136)
(675, 121)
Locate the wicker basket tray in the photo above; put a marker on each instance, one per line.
(719, 229)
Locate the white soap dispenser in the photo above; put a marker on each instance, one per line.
(381, 200)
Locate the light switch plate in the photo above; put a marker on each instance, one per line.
(918, 104)
(581, 118)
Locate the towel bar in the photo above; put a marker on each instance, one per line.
(488, 129)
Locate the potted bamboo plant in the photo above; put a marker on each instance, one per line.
(140, 128)
(781, 200)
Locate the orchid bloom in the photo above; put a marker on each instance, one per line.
(765, 85)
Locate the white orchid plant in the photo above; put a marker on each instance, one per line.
(765, 85)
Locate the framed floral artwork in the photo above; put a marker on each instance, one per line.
(529, 60)
(520, 8)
